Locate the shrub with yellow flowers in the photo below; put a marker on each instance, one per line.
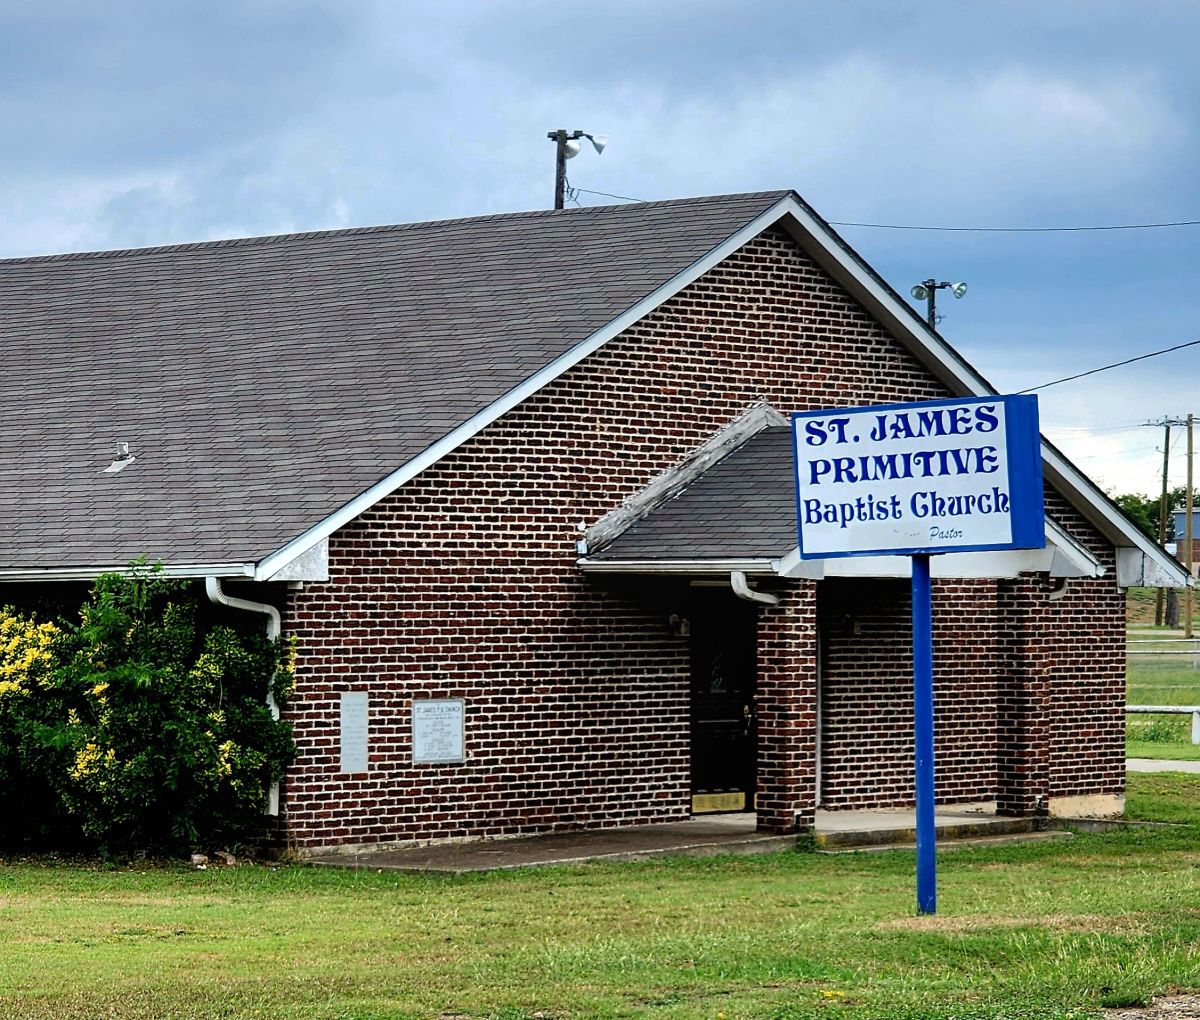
(145, 728)
(30, 654)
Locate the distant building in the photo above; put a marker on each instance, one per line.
(1180, 523)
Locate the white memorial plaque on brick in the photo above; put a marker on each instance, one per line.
(437, 731)
(353, 732)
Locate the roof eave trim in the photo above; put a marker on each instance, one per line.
(688, 567)
(13, 575)
(924, 341)
(1110, 518)
(472, 426)
(931, 349)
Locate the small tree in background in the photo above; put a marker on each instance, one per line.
(1144, 510)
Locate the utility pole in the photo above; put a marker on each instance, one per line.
(1187, 543)
(567, 146)
(560, 165)
(927, 290)
(1166, 424)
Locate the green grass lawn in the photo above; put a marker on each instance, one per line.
(1051, 929)
(1168, 750)
(1160, 680)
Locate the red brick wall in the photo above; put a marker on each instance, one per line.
(1062, 724)
(463, 583)
(866, 692)
(1029, 691)
(787, 710)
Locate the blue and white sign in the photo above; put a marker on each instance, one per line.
(932, 477)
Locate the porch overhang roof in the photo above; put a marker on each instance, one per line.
(732, 509)
(1062, 557)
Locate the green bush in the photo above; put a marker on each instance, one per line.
(142, 729)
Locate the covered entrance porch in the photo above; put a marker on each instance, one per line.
(825, 696)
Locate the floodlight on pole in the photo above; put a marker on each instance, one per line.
(568, 146)
(927, 290)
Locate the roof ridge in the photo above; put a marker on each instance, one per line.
(303, 235)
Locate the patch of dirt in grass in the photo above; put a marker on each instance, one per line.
(1172, 1007)
(1056, 922)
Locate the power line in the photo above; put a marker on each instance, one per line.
(1018, 230)
(1105, 368)
(623, 198)
(1099, 456)
(1091, 430)
(961, 230)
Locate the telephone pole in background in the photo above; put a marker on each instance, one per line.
(567, 146)
(1187, 542)
(1166, 424)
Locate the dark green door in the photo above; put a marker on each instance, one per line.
(724, 667)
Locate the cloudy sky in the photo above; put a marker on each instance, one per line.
(151, 121)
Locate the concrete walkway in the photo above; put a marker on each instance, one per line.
(1160, 765)
(700, 836)
(707, 835)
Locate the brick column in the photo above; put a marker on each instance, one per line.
(1023, 698)
(787, 711)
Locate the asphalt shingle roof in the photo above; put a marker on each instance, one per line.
(264, 383)
(743, 507)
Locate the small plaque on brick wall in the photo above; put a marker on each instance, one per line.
(437, 731)
(353, 732)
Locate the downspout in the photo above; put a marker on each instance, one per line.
(737, 581)
(212, 587)
(1059, 590)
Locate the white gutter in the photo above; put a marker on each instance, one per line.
(212, 586)
(686, 567)
(737, 581)
(14, 574)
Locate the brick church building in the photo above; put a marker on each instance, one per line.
(520, 487)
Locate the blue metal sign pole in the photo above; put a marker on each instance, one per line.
(922, 616)
(937, 476)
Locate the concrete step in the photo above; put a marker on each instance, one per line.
(954, 844)
(906, 835)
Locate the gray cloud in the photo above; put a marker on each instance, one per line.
(160, 121)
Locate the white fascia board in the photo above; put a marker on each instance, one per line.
(675, 567)
(13, 575)
(1134, 567)
(1062, 557)
(311, 565)
(978, 566)
(472, 426)
(810, 230)
(1071, 557)
(945, 362)
(1115, 526)
(819, 240)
